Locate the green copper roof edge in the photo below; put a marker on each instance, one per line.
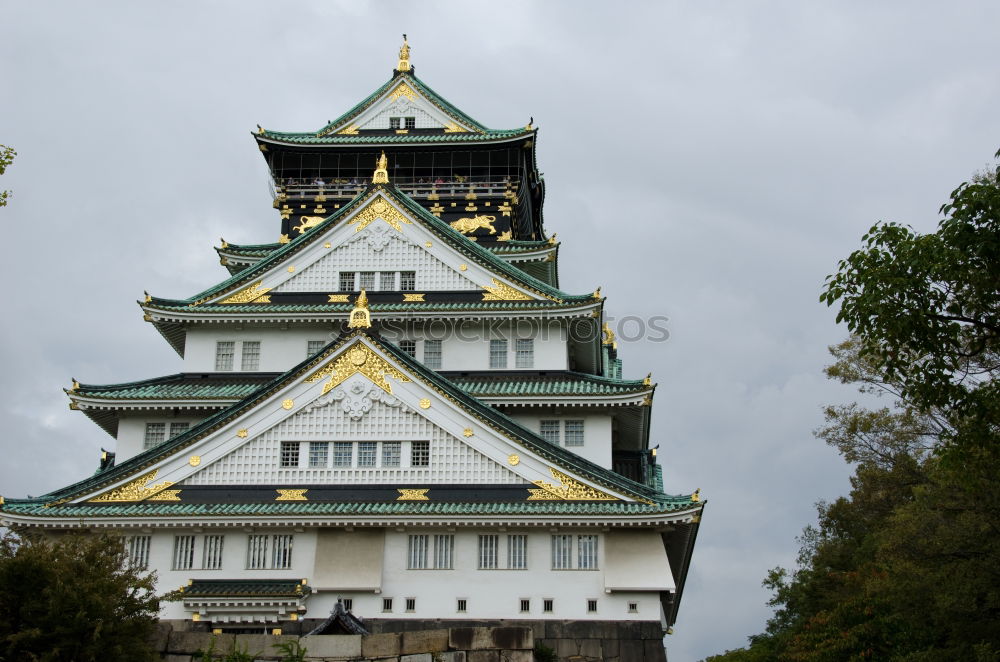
(457, 240)
(525, 436)
(383, 140)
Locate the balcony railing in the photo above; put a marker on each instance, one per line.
(341, 188)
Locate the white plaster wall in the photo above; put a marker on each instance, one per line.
(596, 433)
(280, 349)
(132, 430)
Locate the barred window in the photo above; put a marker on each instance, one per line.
(525, 605)
(348, 603)
(517, 552)
(138, 551)
(591, 606)
(282, 553)
(387, 281)
(224, 352)
(346, 281)
(420, 454)
(177, 428)
(391, 453)
(409, 346)
(444, 552)
(367, 453)
(342, 452)
(250, 358)
(587, 557)
(411, 604)
(488, 552)
(367, 280)
(256, 552)
(562, 552)
(461, 605)
(155, 435)
(411, 122)
(183, 552)
(313, 347)
(395, 122)
(498, 353)
(633, 607)
(212, 553)
(289, 454)
(549, 431)
(432, 354)
(524, 353)
(416, 552)
(318, 453)
(386, 604)
(547, 604)
(573, 433)
(407, 281)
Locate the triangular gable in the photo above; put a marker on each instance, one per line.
(159, 474)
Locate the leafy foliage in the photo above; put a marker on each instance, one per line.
(7, 155)
(75, 597)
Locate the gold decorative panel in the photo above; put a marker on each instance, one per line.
(419, 494)
(413, 297)
(253, 294)
(166, 495)
(376, 209)
(351, 130)
(358, 359)
(135, 490)
(291, 495)
(339, 298)
(569, 489)
(503, 292)
(403, 90)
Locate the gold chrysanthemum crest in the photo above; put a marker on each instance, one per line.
(376, 209)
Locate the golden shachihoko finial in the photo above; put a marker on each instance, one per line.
(361, 317)
(381, 175)
(404, 56)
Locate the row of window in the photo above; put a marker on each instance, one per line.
(462, 605)
(437, 552)
(402, 122)
(375, 281)
(190, 552)
(225, 355)
(568, 433)
(156, 433)
(353, 454)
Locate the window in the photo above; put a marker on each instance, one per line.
(386, 604)
(411, 604)
(395, 122)
(411, 122)
(138, 551)
(282, 552)
(498, 353)
(391, 453)
(256, 552)
(432, 354)
(524, 353)
(224, 351)
(367, 280)
(342, 452)
(444, 552)
(409, 346)
(183, 552)
(517, 552)
(587, 548)
(387, 281)
(547, 604)
(407, 281)
(250, 358)
(420, 454)
(591, 606)
(416, 552)
(212, 553)
(367, 453)
(346, 281)
(573, 433)
(348, 603)
(525, 605)
(289, 454)
(549, 431)
(313, 347)
(178, 428)
(318, 453)
(633, 607)
(461, 604)
(155, 434)
(562, 552)
(487, 552)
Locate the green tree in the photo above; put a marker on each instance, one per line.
(7, 155)
(74, 597)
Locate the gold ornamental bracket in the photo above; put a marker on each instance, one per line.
(381, 175)
(138, 490)
(404, 56)
(501, 291)
(256, 293)
(359, 359)
(569, 489)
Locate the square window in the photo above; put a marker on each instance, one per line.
(488, 552)
(407, 281)
(289, 454)
(256, 552)
(498, 354)
(409, 346)
(411, 122)
(432, 354)
(633, 607)
(395, 122)
(342, 453)
(411, 604)
(348, 603)
(224, 352)
(313, 347)
(573, 433)
(250, 358)
(416, 552)
(591, 606)
(282, 552)
(177, 428)
(524, 353)
(319, 452)
(138, 551)
(346, 281)
(549, 431)
(367, 280)
(547, 604)
(183, 552)
(386, 604)
(420, 454)
(391, 453)
(562, 552)
(517, 552)
(444, 552)
(212, 553)
(587, 552)
(387, 281)
(461, 604)
(367, 453)
(525, 605)
(155, 435)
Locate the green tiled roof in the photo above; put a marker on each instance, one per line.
(343, 308)
(279, 588)
(470, 249)
(334, 139)
(176, 387)
(575, 384)
(519, 246)
(250, 250)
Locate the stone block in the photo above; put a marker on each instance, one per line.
(380, 645)
(517, 656)
(651, 630)
(513, 638)
(418, 657)
(333, 645)
(554, 629)
(654, 650)
(160, 636)
(591, 648)
(262, 645)
(451, 656)
(170, 657)
(610, 647)
(631, 649)
(483, 656)
(567, 648)
(188, 643)
(470, 638)
(424, 641)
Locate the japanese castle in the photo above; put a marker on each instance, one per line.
(394, 406)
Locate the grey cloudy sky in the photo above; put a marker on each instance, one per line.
(707, 161)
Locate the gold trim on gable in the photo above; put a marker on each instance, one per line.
(358, 359)
(253, 294)
(135, 490)
(569, 489)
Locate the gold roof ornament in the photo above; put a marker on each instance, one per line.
(361, 317)
(404, 56)
(381, 175)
